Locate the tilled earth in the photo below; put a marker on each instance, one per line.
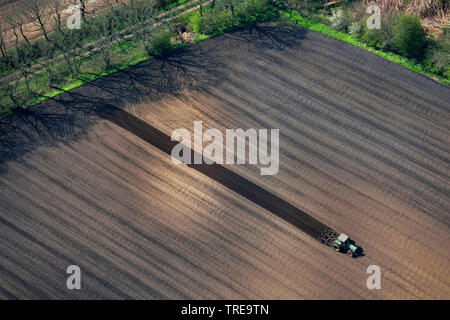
(364, 149)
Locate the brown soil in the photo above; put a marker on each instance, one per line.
(364, 148)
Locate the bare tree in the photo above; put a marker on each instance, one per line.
(83, 6)
(144, 16)
(118, 8)
(69, 44)
(142, 11)
(229, 4)
(47, 53)
(12, 23)
(12, 92)
(104, 25)
(37, 12)
(23, 59)
(16, 23)
(20, 23)
(57, 9)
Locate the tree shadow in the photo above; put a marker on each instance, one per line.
(67, 118)
(276, 37)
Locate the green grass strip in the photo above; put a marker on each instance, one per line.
(310, 24)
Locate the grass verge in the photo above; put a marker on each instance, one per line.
(130, 52)
(310, 24)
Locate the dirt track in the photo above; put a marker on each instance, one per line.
(31, 30)
(364, 148)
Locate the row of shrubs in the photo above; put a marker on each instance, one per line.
(93, 28)
(402, 34)
(211, 20)
(399, 33)
(73, 66)
(226, 15)
(218, 18)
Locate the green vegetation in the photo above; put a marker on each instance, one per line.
(379, 38)
(117, 19)
(160, 43)
(438, 56)
(218, 19)
(167, 5)
(113, 51)
(352, 39)
(401, 39)
(409, 37)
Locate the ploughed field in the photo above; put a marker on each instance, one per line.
(364, 149)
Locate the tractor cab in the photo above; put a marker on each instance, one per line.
(346, 245)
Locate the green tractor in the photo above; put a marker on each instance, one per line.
(344, 244)
(341, 243)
